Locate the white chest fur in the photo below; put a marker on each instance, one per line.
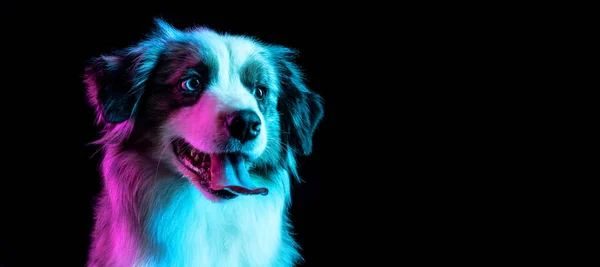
(183, 228)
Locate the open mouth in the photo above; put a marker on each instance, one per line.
(221, 174)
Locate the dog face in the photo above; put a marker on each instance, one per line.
(222, 110)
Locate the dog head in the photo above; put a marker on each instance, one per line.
(223, 110)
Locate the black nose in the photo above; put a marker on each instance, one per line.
(243, 125)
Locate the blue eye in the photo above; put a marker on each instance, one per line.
(260, 92)
(191, 84)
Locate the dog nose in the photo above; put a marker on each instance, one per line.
(243, 125)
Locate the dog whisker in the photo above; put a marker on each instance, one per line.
(167, 144)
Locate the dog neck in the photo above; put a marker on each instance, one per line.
(152, 216)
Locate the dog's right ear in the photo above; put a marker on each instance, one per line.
(110, 89)
(115, 83)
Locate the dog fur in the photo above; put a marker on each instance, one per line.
(149, 212)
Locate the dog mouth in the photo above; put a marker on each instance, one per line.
(224, 175)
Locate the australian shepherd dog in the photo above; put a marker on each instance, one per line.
(200, 135)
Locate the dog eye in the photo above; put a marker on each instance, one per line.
(260, 92)
(191, 84)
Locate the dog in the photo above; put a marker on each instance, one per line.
(200, 133)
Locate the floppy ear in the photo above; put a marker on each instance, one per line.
(301, 109)
(115, 83)
(110, 88)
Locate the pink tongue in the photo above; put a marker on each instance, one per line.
(228, 171)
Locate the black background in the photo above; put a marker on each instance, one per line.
(378, 181)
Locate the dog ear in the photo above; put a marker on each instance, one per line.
(301, 109)
(115, 83)
(110, 89)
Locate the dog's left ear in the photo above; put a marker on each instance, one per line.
(301, 109)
